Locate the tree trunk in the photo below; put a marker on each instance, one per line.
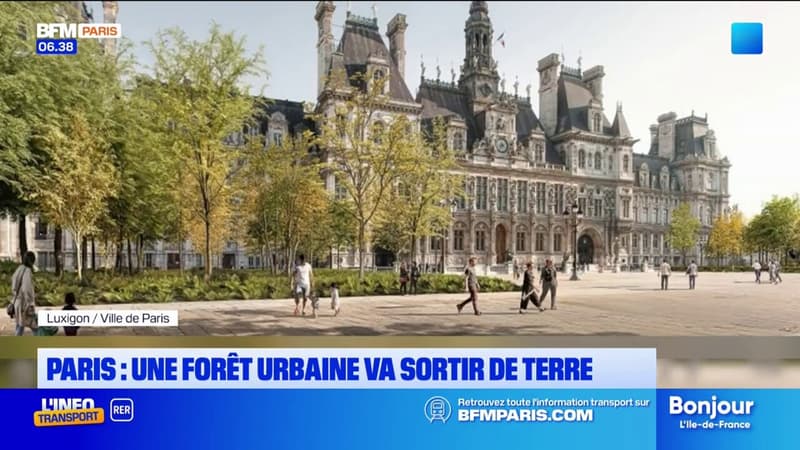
(84, 251)
(23, 236)
(207, 276)
(118, 257)
(57, 251)
(361, 244)
(94, 259)
(139, 253)
(78, 256)
(130, 258)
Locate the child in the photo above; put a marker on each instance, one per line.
(313, 297)
(69, 305)
(335, 299)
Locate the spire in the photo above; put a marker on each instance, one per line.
(479, 7)
(620, 125)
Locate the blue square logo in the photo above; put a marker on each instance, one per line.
(121, 410)
(747, 38)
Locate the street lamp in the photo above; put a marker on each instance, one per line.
(445, 234)
(574, 212)
(702, 242)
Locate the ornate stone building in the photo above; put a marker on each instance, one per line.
(524, 170)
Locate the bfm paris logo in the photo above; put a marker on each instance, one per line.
(78, 30)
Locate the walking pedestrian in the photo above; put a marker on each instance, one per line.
(771, 268)
(778, 278)
(23, 296)
(757, 270)
(403, 279)
(692, 272)
(548, 280)
(529, 290)
(302, 283)
(414, 277)
(335, 306)
(472, 286)
(664, 272)
(516, 270)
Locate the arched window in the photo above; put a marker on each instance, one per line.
(596, 123)
(626, 163)
(458, 141)
(581, 159)
(477, 41)
(589, 161)
(485, 42)
(598, 161)
(539, 153)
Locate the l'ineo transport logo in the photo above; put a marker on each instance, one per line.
(438, 408)
(68, 411)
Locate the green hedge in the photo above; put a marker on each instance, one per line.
(171, 286)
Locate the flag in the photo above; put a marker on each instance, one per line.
(501, 40)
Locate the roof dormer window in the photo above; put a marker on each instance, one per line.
(596, 123)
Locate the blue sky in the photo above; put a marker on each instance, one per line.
(658, 57)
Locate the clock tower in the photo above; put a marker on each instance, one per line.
(479, 76)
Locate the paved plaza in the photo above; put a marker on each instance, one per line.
(608, 304)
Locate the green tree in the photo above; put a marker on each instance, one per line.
(421, 201)
(683, 229)
(68, 195)
(366, 154)
(37, 93)
(204, 102)
(775, 228)
(288, 206)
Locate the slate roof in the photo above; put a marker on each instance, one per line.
(360, 41)
(293, 111)
(573, 103)
(620, 125)
(654, 166)
(686, 143)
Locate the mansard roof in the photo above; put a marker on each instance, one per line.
(654, 166)
(294, 113)
(361, 41)
(574, 98)
(440, 99)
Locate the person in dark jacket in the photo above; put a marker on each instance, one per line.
(403, 279)
(529, 290)
(69, 305)
(414, 277)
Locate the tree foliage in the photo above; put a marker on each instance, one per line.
(420, 203)
(683, 229)
(727, 235)
(777, 227)
(366, 153)
(203, 103)
(75, 186)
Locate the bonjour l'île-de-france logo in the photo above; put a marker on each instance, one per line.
(437, 408)
(68, 411)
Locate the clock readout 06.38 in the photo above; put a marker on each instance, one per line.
(56, 46)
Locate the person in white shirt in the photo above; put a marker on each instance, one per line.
(692, 272)
(302, 284)
(757, 270)
(664, 272)
(335, 299)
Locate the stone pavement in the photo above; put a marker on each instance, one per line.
(608, 304)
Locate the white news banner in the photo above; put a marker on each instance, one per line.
(108, 318)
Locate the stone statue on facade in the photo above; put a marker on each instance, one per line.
(475, 61)
(452, 76)
(528, 91)
(500, 124)
(438, 73)
(422, 67)
(503, 85)
(516, 87)
(513, 197)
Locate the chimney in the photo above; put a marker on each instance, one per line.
(110, 10)
(548, 68)
(594, 78)
(396, 32)
(324, 18)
